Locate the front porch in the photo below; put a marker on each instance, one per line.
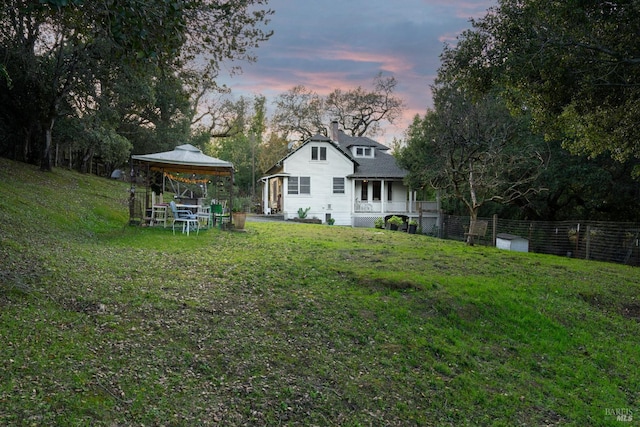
(409, 208)
(426, 213)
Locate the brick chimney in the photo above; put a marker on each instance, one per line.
(334, 131)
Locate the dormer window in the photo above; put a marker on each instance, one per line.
(363, 152)
(318, 153)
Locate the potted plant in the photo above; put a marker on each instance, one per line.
(395, 222)
(239, 218)
(331, 221)
(378, 223)
(239, 213)
(413, 226)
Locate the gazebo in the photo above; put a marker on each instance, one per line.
(184, 159)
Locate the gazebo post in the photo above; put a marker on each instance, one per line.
(146, 195)
(132, 192)
(231, 179)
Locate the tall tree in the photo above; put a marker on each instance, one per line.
(299, 113)
(243, 144)
(302, 113)
(212, 113)
(579, 187)
(257, 127)
(58, 47)
(272, 150)
(575, 65)
(360, 112)
(474, 151)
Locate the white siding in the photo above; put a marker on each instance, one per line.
(322, 201)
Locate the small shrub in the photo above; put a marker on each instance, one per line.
(379, 223)
(302, 213)
(395, 220)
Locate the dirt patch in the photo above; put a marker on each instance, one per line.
(596, 300)
(400, 285)
(363, 255)
(307, 220)
(630, 310)
(86, 307)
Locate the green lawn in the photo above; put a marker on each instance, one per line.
(295, 324)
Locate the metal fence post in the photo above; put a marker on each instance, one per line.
(494, 229)
(588, 244)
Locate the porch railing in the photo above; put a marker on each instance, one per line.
(376, 206)
(395, 207)
(391, 207)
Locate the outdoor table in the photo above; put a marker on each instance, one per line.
(202, 212)
(193, 209)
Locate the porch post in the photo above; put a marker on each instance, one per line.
(383, 196)
(132, 192)
(412, 200)
(265, 196)
(354, 197)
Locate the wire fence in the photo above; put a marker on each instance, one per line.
(617, 242)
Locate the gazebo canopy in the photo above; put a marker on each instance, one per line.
(184, 159)
(188, 159)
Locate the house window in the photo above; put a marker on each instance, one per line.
(377, 190)
(364, 152)
(338, 185)
(318, 153)
(293, 185)
(299, 185)
(364, 191)
(389, 192)
(305, 185)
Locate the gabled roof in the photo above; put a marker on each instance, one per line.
(347, 141)
(186, 158)
(314, 139)
(382, 166)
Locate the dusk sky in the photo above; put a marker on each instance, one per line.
(342, 44)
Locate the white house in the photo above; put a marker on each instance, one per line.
(352, 180)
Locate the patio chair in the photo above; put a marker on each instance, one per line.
(477, 230)
(159, 215)
(219, 216)
(204, 215)
(184, 216)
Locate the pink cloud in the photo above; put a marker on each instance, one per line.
(321, 48)
(391, 63)
(449, 38)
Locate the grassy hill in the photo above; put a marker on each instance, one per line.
(294, 324)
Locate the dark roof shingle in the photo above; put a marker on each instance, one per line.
(383, 165)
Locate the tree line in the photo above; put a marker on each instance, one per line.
(535, 114)
(81, 79)
(533, 117)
